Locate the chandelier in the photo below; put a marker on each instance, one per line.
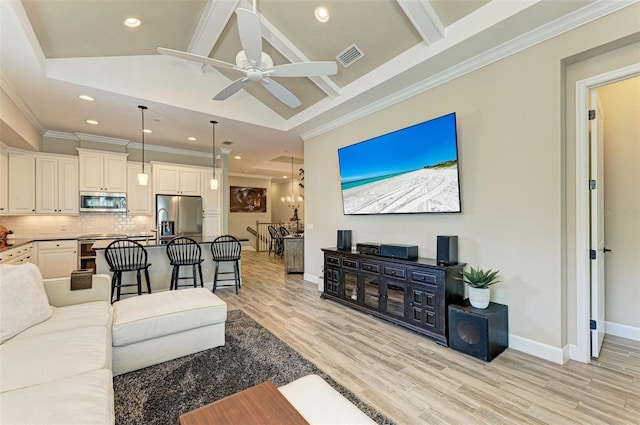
(291, 200)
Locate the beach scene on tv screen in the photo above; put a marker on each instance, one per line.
(413, 170)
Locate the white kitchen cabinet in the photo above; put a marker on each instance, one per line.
(102, 171)
(22, 182)
(56, 185)
(4, 180)
(57, 258)
(211, 199)
(176, 180)
(18, 255)
(211, 225)
(139, 198)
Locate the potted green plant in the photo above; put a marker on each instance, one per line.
(479, 282)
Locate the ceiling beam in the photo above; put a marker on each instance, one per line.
(292, 53)
(424, 19)
(214, 18)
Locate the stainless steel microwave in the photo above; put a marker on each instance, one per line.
(103, 202)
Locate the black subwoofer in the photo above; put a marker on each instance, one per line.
(481, 333)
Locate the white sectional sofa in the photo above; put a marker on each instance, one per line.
(56, 349)
(55, 358)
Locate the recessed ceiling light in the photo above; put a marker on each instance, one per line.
(284, 177)
(92, 122)
(146, 130)
(321, 13)
(87, 98)
(191, 139)
(132, 22)
(237, 157)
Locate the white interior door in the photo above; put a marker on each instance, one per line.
(597, 225)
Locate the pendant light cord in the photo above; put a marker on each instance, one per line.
(142, 108)
(213, 148)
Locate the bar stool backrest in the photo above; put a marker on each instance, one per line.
(126, 255)
(183, 250)
(225, 248)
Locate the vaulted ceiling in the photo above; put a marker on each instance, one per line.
(54, 50)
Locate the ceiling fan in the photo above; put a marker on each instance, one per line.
(257, 65)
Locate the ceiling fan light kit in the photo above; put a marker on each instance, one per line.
(257, 65)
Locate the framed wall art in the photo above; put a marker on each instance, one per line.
(247, 199)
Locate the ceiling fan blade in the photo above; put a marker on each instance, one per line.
(305, 69)
(195, 58)
(231, 88)
(250, 34)
(284, 95)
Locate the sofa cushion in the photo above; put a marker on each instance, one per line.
(23, 302)
(98, 313)
(30, 361)
(82, 399)
(165, 313)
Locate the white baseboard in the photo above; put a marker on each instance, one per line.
(537, 349)
(623, 331)
(318, 280)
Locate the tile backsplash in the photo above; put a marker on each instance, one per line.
(45, 226)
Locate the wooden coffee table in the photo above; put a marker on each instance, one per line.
(262, 404)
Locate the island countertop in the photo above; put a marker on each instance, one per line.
(153, 242)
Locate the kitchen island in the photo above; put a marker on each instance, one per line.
(160, 270)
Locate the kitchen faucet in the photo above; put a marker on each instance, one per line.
(159, 229)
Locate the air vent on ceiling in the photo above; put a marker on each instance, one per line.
(227, 143)
(349, 55)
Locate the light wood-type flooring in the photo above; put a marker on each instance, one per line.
(413, 380)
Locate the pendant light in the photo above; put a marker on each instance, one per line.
(143, 179)
(214, 182)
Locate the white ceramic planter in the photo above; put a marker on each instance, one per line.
(479, 297)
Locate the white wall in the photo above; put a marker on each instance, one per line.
(512, 148)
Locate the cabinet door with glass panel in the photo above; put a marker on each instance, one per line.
(350, 288)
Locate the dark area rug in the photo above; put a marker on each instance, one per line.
(251, 355)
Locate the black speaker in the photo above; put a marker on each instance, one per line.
(447, 250)
(344, 240)
(481, 333)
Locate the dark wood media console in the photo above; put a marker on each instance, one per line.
(412, 293)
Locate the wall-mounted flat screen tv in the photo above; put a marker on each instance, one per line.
(412, 170)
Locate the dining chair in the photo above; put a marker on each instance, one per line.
(275, 244)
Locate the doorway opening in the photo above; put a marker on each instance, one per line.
(583, 217)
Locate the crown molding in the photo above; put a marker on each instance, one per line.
(76, 137)
(61, 135)
(173, 151)
(545, 32)
(102, 139)
(7, 87)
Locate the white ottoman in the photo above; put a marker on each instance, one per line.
(320, 404)
(154, 328)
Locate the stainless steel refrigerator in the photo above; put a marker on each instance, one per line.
(178, 215)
